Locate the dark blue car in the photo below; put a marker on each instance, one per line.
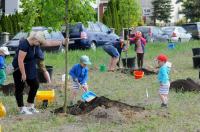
(90, 36)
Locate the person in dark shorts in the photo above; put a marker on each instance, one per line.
(114, 49)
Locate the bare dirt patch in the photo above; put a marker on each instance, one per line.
(102, 108)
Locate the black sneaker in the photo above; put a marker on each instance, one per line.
(164, 105)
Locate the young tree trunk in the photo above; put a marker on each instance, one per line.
(66, 55)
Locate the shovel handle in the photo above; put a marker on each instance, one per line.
(81, 87)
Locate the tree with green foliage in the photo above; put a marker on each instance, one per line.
(3, 23)
(122, 14)
(111, 15)
(162, 10)
(191, 9)
(10, 23)
(18, 18)
(51, 13)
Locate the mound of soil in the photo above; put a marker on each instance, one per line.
(183, 85)
(110, 114)
(84, 107)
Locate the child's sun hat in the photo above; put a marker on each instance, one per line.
(85, 60)
(4, 50)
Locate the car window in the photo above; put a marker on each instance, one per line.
(20, 35)
(155, 30)
(90, 26)
(104, 28)
(181, 30)
(56, 35)
(159, 31)
(198, 26)
(168, 29)
(47, 34)
(143, 29)
(75, 28)
(190, 27)
(96, 27)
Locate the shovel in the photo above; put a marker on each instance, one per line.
(87, 95)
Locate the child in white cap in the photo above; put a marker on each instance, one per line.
(3, 52)
(79, 75)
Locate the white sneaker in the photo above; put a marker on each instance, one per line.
(33, 110)
(25, 111)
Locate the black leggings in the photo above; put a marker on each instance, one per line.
(19, 88)
(140, 57)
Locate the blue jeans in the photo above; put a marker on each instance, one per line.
(111, 50)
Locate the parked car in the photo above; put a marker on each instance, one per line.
(54, 35)
(177, 34)
(152, 33)
(90, 36)
(193, 28)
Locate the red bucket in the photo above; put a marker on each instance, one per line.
(138, 74)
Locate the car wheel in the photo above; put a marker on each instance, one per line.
(93, 46)
(179, 40)
(61, 49)
(152, 40)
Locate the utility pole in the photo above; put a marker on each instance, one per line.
(98, 10)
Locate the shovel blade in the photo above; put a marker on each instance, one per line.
(88, 96)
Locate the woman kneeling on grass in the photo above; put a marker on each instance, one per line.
(114, 49)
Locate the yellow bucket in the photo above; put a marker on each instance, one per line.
(2, 110)
(45, 95)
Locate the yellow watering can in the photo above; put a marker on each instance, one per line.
(2, 110)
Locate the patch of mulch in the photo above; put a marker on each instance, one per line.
(185, 85)
(84, 107)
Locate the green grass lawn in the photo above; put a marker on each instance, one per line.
(183, 113)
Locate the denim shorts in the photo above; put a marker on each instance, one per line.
(111, 50)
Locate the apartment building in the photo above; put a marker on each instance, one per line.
(9, 6)
(147, 10)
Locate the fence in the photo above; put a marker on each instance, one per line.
(5, 37)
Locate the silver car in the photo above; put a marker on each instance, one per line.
(152, 33)
(54, 35)
(177, 34)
